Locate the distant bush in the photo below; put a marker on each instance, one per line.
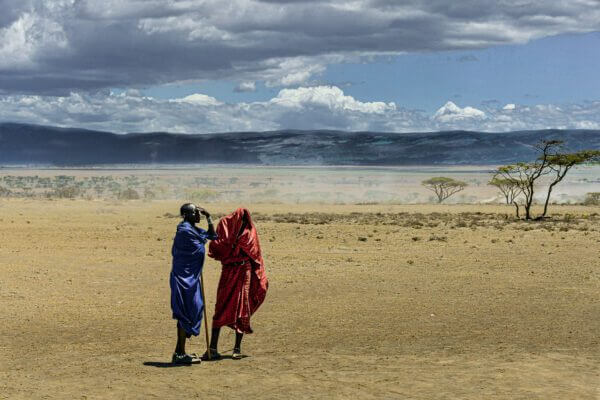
(149, 194)
(201, 195)
(269, 195)
(592, 199)
(65, 192)
(128, 194)
(4, 192)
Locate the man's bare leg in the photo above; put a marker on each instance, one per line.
(237, 350)
(180, 357)
(214, 343)
(214, 338)
(181, 336)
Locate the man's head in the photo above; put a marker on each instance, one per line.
(190, 212)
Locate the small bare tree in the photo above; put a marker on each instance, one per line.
(443, 187)
(507, 187)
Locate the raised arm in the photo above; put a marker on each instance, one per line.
(212, 235)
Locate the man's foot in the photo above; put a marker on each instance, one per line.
(214, 355)
(184, 359)
(237, 354)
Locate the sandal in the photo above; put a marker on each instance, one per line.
(185, 359)
(214, 355)
(237, 354)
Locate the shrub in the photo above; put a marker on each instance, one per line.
(591, 199)
(128, 194)
(66, 192)
(149, 194)
(201, 195)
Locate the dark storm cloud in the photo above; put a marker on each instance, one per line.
(11, 9)
(59, 46)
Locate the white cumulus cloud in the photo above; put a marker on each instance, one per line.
(198, 99)
(450, 112)
(331, 97)
(320, 107)
(245, 87)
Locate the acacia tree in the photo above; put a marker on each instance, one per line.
(526, 174)
(551, 161)
(521, 175)
(508, 188)
(561, 163)
(443, 187)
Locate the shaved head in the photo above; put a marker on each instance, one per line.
(188, 211)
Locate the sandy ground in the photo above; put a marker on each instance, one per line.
(365, 302)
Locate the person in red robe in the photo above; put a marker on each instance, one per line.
(243, 284)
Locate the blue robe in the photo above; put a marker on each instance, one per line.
(188, 258)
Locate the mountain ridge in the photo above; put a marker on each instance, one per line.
(26, 144)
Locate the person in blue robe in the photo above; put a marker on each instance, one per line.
(186, 294)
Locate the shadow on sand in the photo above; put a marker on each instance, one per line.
(225, 357)
(160, 364)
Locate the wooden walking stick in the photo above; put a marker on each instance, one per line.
(205, 317)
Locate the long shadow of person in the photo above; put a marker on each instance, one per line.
(224, 357)
(160, 364)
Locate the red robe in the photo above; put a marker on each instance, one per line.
(243, 284)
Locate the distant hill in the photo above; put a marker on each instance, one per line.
(22, 144)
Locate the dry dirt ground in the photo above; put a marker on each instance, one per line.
(418, 302)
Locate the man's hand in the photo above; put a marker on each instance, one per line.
(211, 227)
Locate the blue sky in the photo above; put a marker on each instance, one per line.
(554, 70)
(560, 69)
(201, 66)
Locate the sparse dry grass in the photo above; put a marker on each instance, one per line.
(436, 302)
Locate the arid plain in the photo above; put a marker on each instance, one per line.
(365, 301)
